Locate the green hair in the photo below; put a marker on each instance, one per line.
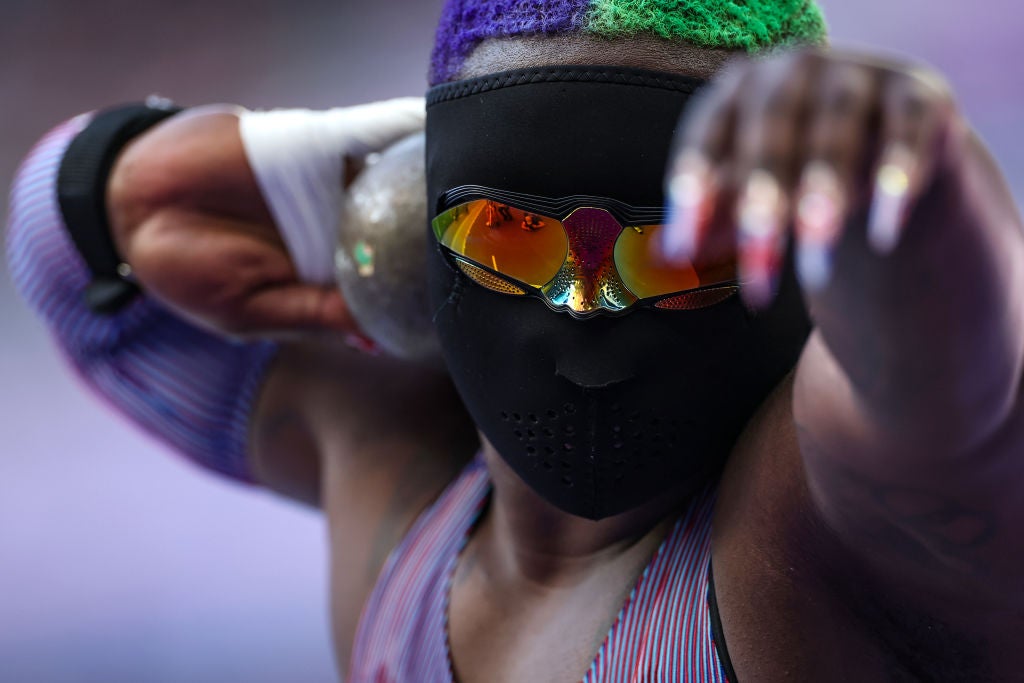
(749, 25)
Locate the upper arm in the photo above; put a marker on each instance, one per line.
(381, 437)
(939, 524)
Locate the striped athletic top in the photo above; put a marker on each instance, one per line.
(662, 633)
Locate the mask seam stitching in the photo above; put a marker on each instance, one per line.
(476, 86)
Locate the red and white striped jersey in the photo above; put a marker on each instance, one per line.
(662, 633)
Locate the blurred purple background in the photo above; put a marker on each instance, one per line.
(119, 562)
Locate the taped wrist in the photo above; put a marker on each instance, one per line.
(297, 157)
(81, 195)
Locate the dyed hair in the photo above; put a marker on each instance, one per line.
(749, 25)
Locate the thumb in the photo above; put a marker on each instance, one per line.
(296, 307)
(376, 126)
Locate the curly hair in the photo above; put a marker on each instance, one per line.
(749, 25)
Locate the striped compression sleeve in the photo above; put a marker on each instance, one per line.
(190, 389)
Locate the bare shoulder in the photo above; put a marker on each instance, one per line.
(798, 604)
(372, 441)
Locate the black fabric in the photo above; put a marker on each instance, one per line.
(717, 634)
(596, 415)
(81, 194)
(540, 131)
(562, 74)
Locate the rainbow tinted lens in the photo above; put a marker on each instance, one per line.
(532, 249)
(520, 244)
(644, 270)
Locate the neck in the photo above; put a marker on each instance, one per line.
(523, 537)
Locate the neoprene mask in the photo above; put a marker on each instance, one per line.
(601, 413)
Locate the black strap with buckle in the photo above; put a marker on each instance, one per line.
(81, 194)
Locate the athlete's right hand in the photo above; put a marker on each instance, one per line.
(188, 217)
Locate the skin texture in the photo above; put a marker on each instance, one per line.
(866, 526)
(384, 437)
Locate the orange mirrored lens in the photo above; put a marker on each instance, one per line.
(646, 273)
(523, 245)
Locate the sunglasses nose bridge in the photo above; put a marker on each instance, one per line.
(589, 280)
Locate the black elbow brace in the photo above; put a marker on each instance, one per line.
(81, 194)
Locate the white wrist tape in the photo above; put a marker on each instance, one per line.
(297, 156)
(298, 166)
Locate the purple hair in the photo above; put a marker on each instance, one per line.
(465, 23)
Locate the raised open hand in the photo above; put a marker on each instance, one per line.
(805, 145)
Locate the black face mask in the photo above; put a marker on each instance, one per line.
(597, 415)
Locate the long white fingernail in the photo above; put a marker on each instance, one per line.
(890, 200)
(813, 266)
(758, 271)
(361, 342)
(818, 224)
(760, 240)
(687, 195)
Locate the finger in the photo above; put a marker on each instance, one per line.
(693, 180)
(376, 126)
(294, 307)
(769, 151)
(838, 137)
(915, 106)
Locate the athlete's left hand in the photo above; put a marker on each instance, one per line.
(805, 146)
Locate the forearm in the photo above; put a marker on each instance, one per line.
(931, 337)
(906, 400)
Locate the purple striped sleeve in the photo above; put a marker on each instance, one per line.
(192, 390)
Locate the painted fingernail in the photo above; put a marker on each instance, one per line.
(362, 343)
(891, 195)
(760, 213)
(687, 195)
(818, 221)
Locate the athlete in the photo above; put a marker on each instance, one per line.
(693, 465)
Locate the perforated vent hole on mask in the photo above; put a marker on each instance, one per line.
(556, 441)
(644, 437)
(635, 429)
(488, 280)
(692, 301)
(548, 438)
